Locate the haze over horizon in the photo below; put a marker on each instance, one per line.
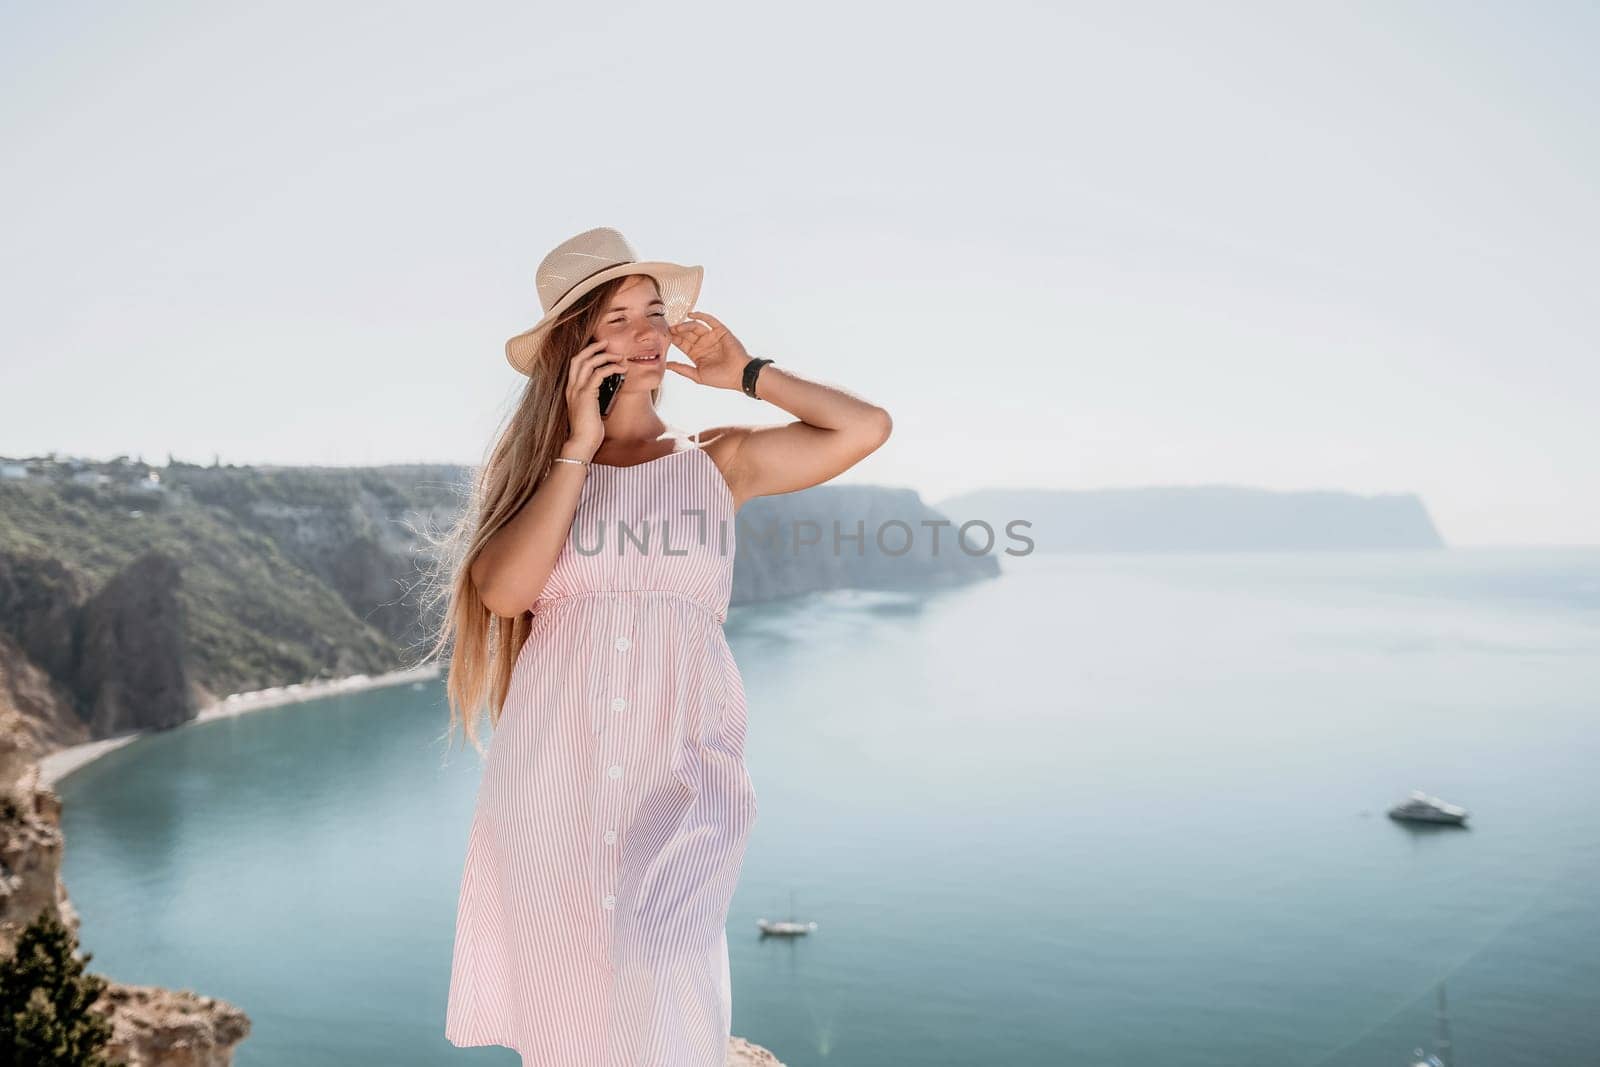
(1072, 248)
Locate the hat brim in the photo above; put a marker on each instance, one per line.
(679, 286)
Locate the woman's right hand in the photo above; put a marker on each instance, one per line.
(585, 371)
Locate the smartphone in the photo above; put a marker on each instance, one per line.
(608, 391)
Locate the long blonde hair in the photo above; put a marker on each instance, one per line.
(482, 647)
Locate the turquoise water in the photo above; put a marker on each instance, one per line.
(1104, 810)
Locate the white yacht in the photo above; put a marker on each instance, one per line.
(790, 927)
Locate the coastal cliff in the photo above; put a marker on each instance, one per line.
(129, 608)
(1204, 518)
(848, 537)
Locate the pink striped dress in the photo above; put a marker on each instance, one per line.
(614, 808)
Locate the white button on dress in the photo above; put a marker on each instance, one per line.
(611, 837)
(617, 703)
(623, 644)
(614, 771)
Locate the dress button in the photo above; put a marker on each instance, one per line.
(617, 703)
(611, 837)
(614, 771)
(623, 644)
(609, 901)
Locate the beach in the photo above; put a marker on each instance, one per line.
(57, 765)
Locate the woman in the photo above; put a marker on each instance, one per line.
(614, 808)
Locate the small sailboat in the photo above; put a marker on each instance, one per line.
(790, 927)
(1424, 808)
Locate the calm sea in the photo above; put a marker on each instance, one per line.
(1103, 810)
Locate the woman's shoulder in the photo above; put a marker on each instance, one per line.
(721, 444)
(720, 437)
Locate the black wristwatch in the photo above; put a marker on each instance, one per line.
(752, 370)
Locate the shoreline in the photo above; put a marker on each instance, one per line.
(57, 765)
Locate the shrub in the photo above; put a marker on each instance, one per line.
(46, 1019)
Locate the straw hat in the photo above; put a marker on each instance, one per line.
(594, 257)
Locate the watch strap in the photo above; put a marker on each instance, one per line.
(752, 371)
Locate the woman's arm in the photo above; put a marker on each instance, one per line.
(513, 566)
(834, 430)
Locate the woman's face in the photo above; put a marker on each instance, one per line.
(634, 327)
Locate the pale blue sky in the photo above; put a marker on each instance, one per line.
(1109, 245)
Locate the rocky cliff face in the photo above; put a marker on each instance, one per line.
(353, 528)
(30, 838)
(82, 663)
(154, 1027)
(131, 666)
(40, 597)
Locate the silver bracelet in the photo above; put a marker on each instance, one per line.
(563, 459)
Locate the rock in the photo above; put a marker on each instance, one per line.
(155, 1027)
(39, 600)
(30, 841)
(131, 672)
(742, 1053)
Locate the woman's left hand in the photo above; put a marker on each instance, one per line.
(719, 357)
